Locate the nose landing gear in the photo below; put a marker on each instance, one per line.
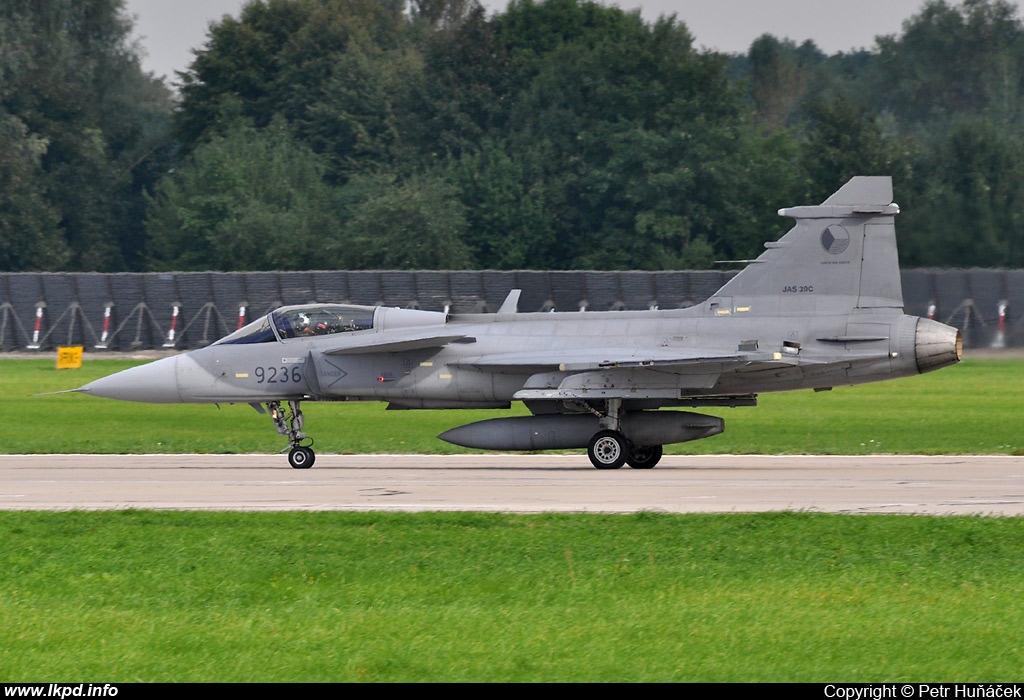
(289, 423)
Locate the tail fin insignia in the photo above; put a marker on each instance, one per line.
(840, 255)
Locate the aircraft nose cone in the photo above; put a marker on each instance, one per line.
(155, 382)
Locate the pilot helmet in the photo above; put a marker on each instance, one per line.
(303, 321)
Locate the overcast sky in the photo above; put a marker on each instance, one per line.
(169, 30)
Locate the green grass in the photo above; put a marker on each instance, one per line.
(148, 596)
(197, 596)
(972, 408)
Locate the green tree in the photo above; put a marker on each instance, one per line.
(778, 80)
(248, 200)
(844, 140)
(416, 224)
(355, 122)
(630, 129)
(464, 93)
(445, 15)
(967, 207)
(953, 59)
(29, 235)
(284, 58)
(71, 79)
(507, 225)
(239, 67)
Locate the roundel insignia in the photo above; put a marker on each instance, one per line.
(835, 239)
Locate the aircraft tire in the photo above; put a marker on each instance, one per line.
(644, 457)
(301, 458)
(608, 450)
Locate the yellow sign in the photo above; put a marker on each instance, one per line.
(69, 358)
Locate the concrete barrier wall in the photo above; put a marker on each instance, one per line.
(134, 311)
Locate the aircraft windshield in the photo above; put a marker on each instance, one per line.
(321, 319)
(259, 331)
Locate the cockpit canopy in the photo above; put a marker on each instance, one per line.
(321, 319)
(302, 322)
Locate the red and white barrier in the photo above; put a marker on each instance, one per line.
(37, 331)
(105, 335)
(175, 312)
(999, 341)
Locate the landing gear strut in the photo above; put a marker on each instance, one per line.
(609, 448)
(290, 425)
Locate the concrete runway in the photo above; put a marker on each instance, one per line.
(516, 483)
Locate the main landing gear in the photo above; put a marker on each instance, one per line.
(289, 424)
(610, 449)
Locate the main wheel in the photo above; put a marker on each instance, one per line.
(301, 458)
(607, 450)
(644, 457)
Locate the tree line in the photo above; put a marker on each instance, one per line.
(558, 134)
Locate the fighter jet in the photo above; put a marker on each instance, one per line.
(820, 307)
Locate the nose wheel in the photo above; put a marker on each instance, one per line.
(289, 423)
(301, 457)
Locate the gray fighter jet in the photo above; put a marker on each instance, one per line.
(821, 307)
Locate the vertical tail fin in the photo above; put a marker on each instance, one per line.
(839, 256)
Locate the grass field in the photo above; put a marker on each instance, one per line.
(972, 408)
(147, 596)
(192, 596)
